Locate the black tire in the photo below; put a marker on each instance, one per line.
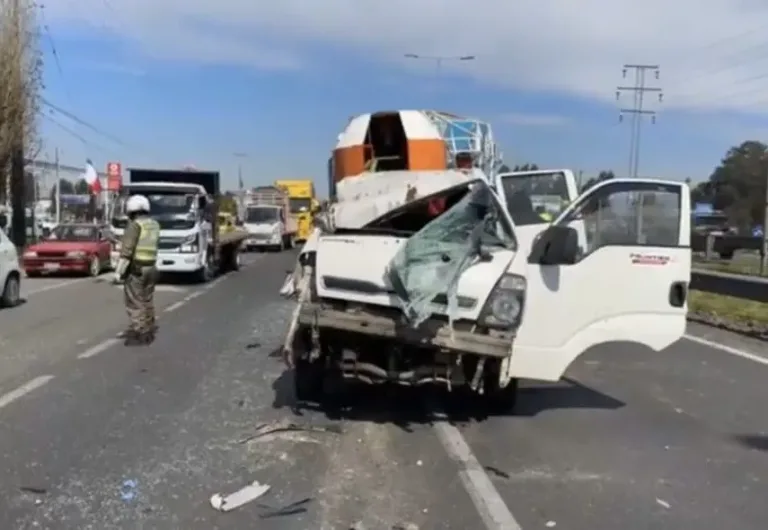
(94, 266)
(205, 274)
(308, 381)
(11, 295)
(234, 259)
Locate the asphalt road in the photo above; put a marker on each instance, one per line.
(632, 440)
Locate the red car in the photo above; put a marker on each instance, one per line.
(79, 248)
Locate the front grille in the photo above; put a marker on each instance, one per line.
(169, 244)
(57, 255)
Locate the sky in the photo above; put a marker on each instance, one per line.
(268, 86)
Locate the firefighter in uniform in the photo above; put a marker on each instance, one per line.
(137, 268)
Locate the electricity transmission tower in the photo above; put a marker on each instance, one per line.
(637, 112)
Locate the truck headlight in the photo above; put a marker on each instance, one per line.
(189, 244)
(76, 254)
(504, 306)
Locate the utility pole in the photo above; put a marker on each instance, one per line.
(764, 250)
(240, 185)
(637, 111)
(58, 186)
(17, 129)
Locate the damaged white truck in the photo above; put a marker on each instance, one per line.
(421, 276)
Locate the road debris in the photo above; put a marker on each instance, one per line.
(663, 503)
(283, 426)
(128, 490)
(33, 489)
(242, 496)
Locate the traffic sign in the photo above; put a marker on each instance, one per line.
(114, 176)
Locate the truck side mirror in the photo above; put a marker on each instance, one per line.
(201, 203)
(557, 245)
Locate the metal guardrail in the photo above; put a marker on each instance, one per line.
(753, 288)
(724, 245)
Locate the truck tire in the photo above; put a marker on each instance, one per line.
(234, 258)
(205, 274)
(11, 295)
(308, 375)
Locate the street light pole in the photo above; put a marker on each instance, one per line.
(240, 186)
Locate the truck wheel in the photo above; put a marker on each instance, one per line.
(11, 295)
(308, 380)
(205, 274)
(235, 259)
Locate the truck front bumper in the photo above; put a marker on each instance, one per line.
(432, 333)
(171, 261)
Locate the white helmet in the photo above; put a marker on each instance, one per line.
(137, 203)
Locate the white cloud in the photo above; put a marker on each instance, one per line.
(534, 120)
(712, 54)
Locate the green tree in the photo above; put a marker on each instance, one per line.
(81, 187)
(737, 185)
(526, 167)
(603, 175)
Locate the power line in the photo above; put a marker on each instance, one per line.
(82, 122)
(637, 111)
(75, 134)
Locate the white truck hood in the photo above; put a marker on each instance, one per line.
(422, 273)
(262, 228)
(358, 269)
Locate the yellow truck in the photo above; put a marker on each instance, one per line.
(303, 204)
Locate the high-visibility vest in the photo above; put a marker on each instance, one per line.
(146, 248)
(546, 216)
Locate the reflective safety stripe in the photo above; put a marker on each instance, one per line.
(146, 248)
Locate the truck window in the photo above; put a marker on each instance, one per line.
(535, 198)
(649, 218)
(261, 214)
(296, 204)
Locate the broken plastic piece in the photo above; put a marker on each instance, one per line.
(128, 490)
(242, 496)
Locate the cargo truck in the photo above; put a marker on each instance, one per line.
(268, 219)
(303, 204)
(185, 204)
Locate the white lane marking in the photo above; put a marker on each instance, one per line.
(193, 295)
(727, 349)
(104, 345)
(174, 307)
(97, 349)
(23, 390)
(214, 283)
(492, 509)
(56, 286)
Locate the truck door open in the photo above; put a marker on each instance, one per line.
(628, 282)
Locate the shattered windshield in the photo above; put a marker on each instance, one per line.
(433, 259)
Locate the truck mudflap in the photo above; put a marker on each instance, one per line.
(431, 333)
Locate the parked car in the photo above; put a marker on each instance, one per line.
(71, 248)
(10, 272)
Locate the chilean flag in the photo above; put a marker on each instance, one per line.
(92, 178)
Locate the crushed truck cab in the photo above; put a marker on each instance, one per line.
(423, 277)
